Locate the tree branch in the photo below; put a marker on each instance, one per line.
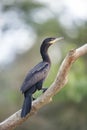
(60, 81)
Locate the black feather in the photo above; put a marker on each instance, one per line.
(26, 105)
(35, 77)
(38, 73)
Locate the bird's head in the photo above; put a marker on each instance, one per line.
(52, 40)
(45, 45)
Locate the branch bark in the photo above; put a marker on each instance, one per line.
(60, 81)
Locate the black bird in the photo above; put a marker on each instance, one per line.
(36, 76)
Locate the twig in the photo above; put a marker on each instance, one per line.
(60, 81)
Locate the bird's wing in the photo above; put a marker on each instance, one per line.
(38, 73)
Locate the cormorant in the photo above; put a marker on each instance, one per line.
(36, 76)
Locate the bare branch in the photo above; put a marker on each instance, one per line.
(60, 81)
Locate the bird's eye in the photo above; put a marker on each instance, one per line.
(52, 39)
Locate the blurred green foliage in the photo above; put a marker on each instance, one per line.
(70, 103)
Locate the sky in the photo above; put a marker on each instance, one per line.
(15, 36)
(18, 38)
(78, 8)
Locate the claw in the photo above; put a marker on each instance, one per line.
(44, 89)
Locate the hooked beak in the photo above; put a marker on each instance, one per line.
(56, 40)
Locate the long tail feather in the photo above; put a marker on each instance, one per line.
(26, 105)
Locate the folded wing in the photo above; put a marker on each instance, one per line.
(38, 73)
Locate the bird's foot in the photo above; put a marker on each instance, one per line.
(44, 89)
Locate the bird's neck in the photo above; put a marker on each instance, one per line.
(44, 53)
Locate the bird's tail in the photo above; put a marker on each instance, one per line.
(26, 105)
